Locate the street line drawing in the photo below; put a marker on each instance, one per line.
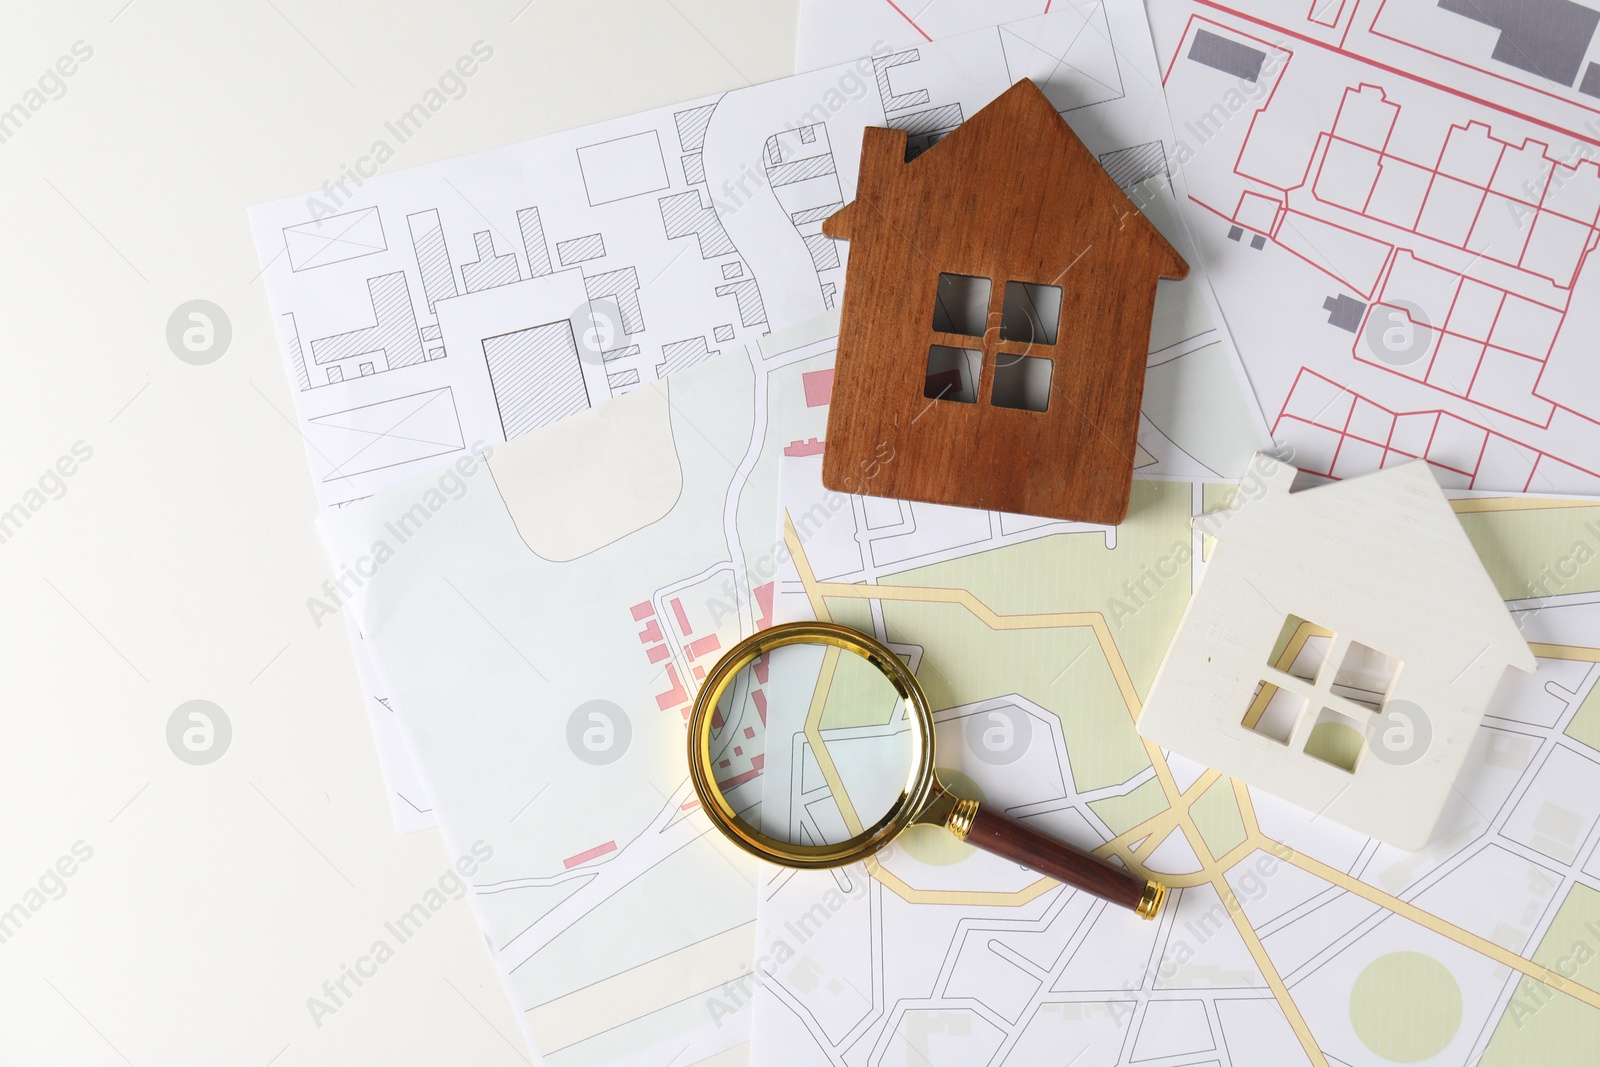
(1279, 924)
(1366, 183)
(1540, 44)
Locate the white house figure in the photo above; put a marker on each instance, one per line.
(1340, 650)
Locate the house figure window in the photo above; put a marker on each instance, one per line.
(962, 352)
(1347, 697)
(1015, 350)
(1340, 650)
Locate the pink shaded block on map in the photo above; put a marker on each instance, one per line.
(706, 644)
(756, 763)
(763, 595)
(811, 447)
(739, 779)
(674, 696)
(589, 854)
(818, 385)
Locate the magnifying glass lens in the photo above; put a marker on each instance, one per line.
(811, 745)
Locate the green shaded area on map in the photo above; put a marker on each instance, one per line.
(1537, 552)
(1216, 816)
(1406, 1007)
(1125, 812)
(1540, 1024)
(851, 612)
(858, 695)
(1585, 725)
(1140, 587)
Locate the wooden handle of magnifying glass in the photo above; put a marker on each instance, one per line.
(997, 834)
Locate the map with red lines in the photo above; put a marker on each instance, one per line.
(1397, 202)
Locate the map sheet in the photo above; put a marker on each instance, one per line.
(1397, 201)
(543, 618)
(1287, 939)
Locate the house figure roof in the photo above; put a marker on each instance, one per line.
(1011, 207)
(1357, 610)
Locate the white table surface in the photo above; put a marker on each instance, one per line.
(177, 562)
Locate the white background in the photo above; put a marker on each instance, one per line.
(178, 563)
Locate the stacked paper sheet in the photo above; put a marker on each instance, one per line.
(552, 570)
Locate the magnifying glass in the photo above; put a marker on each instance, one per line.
(812, 745)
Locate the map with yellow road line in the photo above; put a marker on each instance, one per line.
(1288, 939)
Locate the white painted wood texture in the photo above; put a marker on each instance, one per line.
(1380, 560)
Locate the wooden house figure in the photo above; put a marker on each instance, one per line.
(996, 320)
(1340, 650)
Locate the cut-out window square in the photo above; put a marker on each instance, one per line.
(1274, 712)
(1301, 649)
(1337, 740)
(952, 374)
(1021, 382)
(1031, 313)
(1365, 675)
(962, 305)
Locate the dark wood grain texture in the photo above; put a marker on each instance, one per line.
(995, 833)
(1011, 195)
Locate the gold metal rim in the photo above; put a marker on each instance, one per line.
(960, 819)
(914, 795)
(1155, 895)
